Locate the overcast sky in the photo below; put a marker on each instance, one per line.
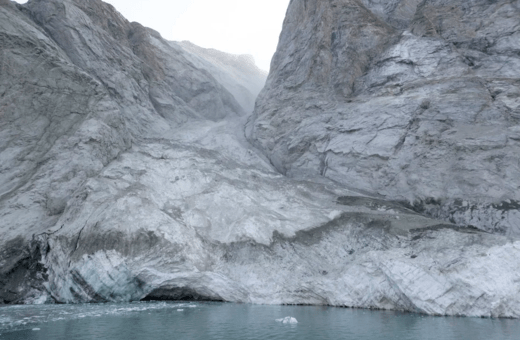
(233, 26)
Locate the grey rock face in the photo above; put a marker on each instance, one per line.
(125, 175)
(238, 73)
(407, 100)
(132, 60)
(78, 85)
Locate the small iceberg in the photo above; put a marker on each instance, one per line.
(180, 310)
(288, 319)
(35, 329)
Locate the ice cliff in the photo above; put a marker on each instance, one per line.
(385, 132)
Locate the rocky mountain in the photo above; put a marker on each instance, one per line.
(406, 100)
(238, 73)
(126, 174)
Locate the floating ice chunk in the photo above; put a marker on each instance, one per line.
(180, 310)
(41, 300)
(288, 319)
(36, 329)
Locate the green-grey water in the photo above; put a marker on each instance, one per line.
(194, 321)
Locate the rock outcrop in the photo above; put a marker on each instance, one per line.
(125, 173)
(416, 101)
(78, 86)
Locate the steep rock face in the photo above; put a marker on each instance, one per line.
(238, 73)
(133, 62)
(126, 175)
(408, 100)
(78, 84)
(59, 126)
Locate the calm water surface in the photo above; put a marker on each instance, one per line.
(194, 321)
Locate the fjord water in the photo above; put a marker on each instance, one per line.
(208, 321)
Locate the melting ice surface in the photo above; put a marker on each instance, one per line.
(208, 321)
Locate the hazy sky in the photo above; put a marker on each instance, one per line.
(234, 26)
